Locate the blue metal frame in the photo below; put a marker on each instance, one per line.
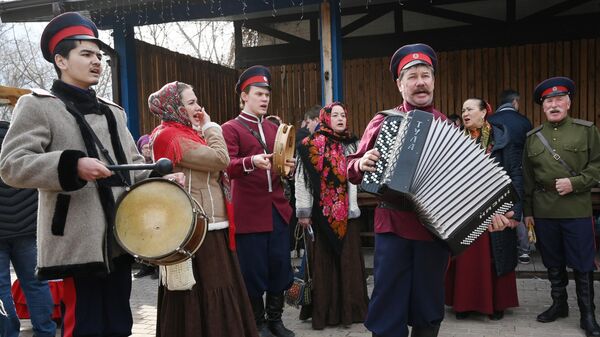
(125, 46)
(336, 51)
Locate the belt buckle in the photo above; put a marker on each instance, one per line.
(556, 156)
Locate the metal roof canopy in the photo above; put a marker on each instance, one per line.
(476, 19)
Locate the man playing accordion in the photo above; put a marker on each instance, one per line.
(409, 266)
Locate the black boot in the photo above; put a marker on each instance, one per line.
(274, 312)
(584, 287)
(431, 331)
(558, 282)
(258, 308)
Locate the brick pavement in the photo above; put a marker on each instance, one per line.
(519, 322)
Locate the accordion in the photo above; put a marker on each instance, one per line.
(430, 167)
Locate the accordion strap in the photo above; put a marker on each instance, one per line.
(555, 155)
(391, 112)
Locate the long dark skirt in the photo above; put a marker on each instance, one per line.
(217, 305)
(472, 283)
(339, 292)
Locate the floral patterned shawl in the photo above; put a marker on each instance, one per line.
(324, 164)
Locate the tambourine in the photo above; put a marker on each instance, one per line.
(284, 148)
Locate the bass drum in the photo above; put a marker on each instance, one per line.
(157, 221)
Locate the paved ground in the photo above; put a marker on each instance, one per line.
(519, 322)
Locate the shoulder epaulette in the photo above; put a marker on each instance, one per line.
(582, 122)
(109, 102)
(391, 112)
(535, 130)
(41, 93)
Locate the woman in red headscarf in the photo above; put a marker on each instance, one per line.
(217, 304)
(482, 279)
(326, 201)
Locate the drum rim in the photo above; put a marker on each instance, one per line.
(195, 212)
(280, 148)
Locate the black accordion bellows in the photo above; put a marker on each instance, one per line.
(429, 166)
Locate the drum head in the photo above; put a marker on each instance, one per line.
(154, 218)
(284, 148)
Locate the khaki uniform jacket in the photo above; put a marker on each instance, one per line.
(578, 144)
(202, 165)
(72, 233)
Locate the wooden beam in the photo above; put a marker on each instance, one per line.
(10, 95)
(511, 11)
(276, 55)
(553, 10)
(364, 20)
(287, 37)
(398, 20)
(326, 59)
(237, 29)
(428, 9)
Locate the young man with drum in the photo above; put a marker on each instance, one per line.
(261, 211)
(50, 146)
(409, 265)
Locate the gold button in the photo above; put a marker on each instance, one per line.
(555, 129)
(554, 139)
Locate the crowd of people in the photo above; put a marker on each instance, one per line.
(60, 142)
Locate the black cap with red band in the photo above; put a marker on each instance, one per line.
(66, 26)
(258, 76)
(554, 86)
(410, 55)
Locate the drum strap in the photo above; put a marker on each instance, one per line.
(555, 155)
(105, 153)
(254, 133)
(75, 112)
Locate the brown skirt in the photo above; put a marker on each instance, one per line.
(217, 305)
(339, 286)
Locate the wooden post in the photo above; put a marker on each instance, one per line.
(326, 59)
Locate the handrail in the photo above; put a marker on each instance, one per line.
(11, 94)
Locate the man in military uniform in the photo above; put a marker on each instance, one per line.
(561, 164)
(261, 211)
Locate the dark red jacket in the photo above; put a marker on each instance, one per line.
(402, 223)
(252, 201)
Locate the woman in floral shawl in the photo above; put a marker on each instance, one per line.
(326, 200)
(482, 279)
(217, 305)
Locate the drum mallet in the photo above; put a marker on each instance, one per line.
(161, 166)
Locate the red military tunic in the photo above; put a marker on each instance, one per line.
(252, 200)
(402, 223)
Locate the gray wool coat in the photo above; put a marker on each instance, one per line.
(38, 153)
